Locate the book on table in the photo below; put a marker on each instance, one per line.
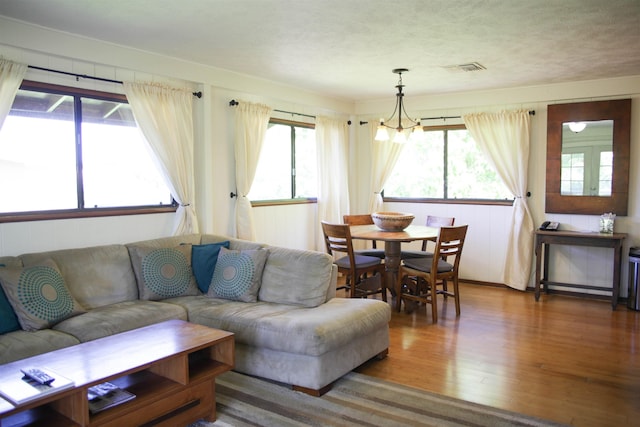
(19, 389)
(106, 395)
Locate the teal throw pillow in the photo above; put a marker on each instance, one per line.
(238, 275)
(163, 272)
(203, 262)
(8, 319)
(38, 295)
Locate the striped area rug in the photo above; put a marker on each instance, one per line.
(354, 400)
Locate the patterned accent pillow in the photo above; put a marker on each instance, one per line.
(238, 275)
(163, 272)
(38, 295)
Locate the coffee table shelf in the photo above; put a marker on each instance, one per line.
(171, 368)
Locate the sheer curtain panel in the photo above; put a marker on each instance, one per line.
(504, 139)
(11, 75)
(385, 154)
(165, 117)
(332, 138)
(251, 127)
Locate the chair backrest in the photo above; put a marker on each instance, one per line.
(449, 244)
(437, 221)
(440, 221)
(337, 238)
(360, 219)
(364, 219)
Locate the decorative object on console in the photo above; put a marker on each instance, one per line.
(392, 221)
(238, 274)
(606, 222)
(39, 295)
(163, 272)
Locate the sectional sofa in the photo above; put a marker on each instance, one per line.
(280, 303)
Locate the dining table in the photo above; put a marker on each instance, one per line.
(392, 245)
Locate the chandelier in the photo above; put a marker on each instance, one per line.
(382, 133)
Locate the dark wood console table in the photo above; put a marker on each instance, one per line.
(574, 238)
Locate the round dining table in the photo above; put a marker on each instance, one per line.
(392, 245)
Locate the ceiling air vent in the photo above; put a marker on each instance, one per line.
(472, 66)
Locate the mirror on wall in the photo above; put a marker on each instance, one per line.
(588, 157)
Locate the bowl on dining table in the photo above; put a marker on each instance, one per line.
(392, 221)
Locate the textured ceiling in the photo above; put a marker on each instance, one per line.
(347, 48)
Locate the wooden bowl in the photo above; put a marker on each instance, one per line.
(392, 221)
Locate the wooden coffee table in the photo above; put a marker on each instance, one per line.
(170, 366)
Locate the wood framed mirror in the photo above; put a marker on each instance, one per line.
(588, 171)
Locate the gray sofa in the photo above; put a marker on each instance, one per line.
(296, 332)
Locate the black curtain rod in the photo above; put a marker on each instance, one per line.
(233, 103)
(84, 76)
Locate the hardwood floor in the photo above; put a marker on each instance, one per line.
(570, 360)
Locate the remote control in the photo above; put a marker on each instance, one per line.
(38, 376)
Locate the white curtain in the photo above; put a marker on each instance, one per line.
(504, 139)
(384, 157)
(251, 121)
(11, 75)
(165, 117)
(332, 139)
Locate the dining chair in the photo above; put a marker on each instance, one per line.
(432, 221)
(364, 219)
(419, 278)
(364, 274)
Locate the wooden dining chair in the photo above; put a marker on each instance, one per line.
(419, 279)
(364, 219)
(364, 274)
(432, 221)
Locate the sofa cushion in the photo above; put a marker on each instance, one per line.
(297, 277)
(21, 344)
(120, 317)
(96, 276)
(38, 295)
(238, 274)
(203, 262)
(163, 272)
(290, 328)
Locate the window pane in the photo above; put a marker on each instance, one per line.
(118, 169)
(469, 174)
(273, 174)
(419, 172)
(606, 173)
(572, 174)
(37, 154)
(306, 165)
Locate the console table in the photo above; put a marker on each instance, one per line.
(574, 238)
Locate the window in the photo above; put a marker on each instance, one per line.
(445, 164)
(64, 149)
(287, 168)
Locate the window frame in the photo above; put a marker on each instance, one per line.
(429, 200)
(84, 212)
(291, 201)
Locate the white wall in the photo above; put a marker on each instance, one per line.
(293, 226)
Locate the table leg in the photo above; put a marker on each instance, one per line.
(617, 265)
(537, 284)
(391, 264)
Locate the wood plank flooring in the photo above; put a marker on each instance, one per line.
(566, 359)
